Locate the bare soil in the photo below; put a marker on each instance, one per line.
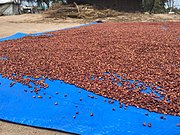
(30, 23)
(15, 129)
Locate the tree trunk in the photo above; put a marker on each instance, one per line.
(153, 3)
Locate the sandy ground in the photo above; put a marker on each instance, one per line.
(14, 129)
(146, 17)
(32, 23)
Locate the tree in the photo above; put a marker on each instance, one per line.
(151, 6)
(170, 4)
(148, 5)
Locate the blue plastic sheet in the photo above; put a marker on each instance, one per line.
(15, 36)
(18, 105)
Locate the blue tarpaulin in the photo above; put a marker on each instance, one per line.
(76, 110)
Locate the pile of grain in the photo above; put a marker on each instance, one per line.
(103, 58)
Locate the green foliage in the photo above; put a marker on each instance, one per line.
(159, 6)
(155, 6)
(147, 5)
